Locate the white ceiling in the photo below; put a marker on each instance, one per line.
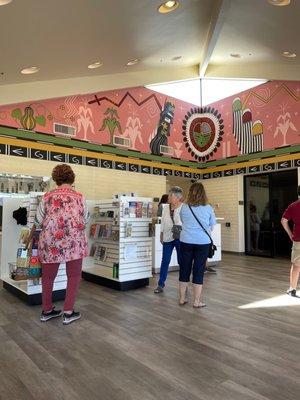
(63, 36)
(260, 33)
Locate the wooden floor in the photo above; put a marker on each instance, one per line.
(137, 345)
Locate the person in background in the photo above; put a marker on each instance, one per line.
(62, 216)
(170, 233)
(194, 242)
(292, 213)
(255, 222)
(163, 201)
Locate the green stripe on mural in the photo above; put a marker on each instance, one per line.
(67, 142)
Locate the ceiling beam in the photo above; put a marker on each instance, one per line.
(214, 29)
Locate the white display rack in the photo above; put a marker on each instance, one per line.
(123, 260)
(29, 290)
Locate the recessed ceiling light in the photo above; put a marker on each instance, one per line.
(133, 62)
(288, 54)
(30, 70)
(95, 65)
(3, 2)
(176, 58)
(168, 6)
(235, 55)
(279, 3)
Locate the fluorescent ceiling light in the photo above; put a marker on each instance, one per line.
(279, 3)
(4, 2)
(95, 65)
(30, 70)
(168, 6)
(288, 54)
(133, 62)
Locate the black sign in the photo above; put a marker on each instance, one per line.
(187, 174)
(106, 164)
(92, 162)
(75, 159)
(196, 176)
(168, 172)
(134, 168)
(297, 162)
(178, 173)
(284, 164)
(217, 174)
(269, 167)
(120, 165)
(229, 172)
(239, 171)
(39, 154)
(145, 169)
(206, 176)
(157, 171)
(2, 148)
(60, 157)
(18, 151)
(254, 169)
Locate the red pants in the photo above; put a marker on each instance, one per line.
(49, 272)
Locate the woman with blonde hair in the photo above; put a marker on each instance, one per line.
(195, 242)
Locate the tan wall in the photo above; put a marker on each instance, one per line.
(94, 183)
(224, 195)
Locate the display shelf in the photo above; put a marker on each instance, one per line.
(28, 290)
(126, 262)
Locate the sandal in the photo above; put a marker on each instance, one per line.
(200, 305)
(184, 303)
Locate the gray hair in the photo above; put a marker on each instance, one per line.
(177, 191)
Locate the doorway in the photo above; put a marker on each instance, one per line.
(266, 198)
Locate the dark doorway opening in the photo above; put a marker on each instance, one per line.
(266, 198)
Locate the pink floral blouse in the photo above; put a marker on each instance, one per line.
(62, 215)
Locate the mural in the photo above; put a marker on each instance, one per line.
(111, 122)
(248, 134)
(159, 143)
(28, 120)
(145, 121)
(202, 131)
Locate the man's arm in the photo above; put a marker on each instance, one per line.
(286, 227)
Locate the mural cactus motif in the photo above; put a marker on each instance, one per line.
(111, 123)
(27, 119)
(248, 134)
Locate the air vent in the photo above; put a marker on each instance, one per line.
(121, 141)
(167, 150)
(65, 130)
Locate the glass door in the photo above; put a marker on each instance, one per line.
(258, 226)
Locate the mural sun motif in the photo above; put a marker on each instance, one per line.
(202, 130)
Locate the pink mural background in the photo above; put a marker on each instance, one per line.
(268, 116)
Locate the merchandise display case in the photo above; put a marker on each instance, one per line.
(120, 246)
(27, 289)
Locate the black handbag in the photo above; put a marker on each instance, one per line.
(212, 247)
(176, 229)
